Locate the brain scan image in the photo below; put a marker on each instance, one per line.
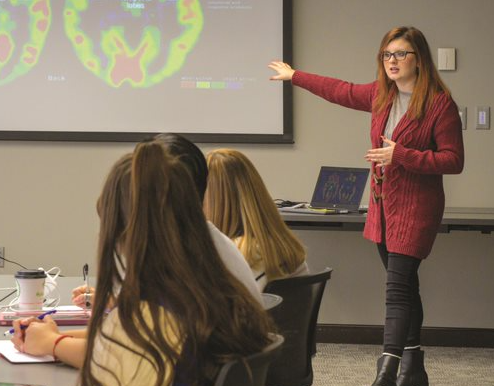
(137, 42)
(24, 26)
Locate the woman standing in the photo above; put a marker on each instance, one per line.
(416, 138)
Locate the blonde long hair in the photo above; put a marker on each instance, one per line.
(238, 203)
(151, 213)
(428, 83)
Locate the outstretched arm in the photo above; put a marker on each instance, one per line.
(346, 94)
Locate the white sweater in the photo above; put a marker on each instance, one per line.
(234, 261)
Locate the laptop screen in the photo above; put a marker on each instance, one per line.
(340, 188)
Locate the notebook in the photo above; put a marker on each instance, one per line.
(9, 352)
(338, 190)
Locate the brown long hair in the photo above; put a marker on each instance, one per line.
(150, 214)
(239, 204)
(428, 83)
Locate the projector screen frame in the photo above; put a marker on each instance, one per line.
(113, 136)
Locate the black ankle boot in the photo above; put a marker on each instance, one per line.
(387, 367)
(412, 370)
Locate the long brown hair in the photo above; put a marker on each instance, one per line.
(239, 204)
(428, 83)
(150, 214)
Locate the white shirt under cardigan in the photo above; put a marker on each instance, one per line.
(234, 261)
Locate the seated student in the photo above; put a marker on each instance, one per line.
(238, 203)
(193, 159)
(179, 313)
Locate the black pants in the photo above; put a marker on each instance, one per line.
(404, 314)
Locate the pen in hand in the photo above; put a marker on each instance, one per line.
(23, 327)
(87, 295)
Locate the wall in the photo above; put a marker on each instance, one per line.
(48, 190)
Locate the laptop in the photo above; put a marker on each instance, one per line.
(338, 190)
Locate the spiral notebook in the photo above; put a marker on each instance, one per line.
(338, 190)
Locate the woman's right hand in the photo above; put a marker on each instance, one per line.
(80, 296)
(284, 71)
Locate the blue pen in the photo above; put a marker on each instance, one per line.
(23, 327)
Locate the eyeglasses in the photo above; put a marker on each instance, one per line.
(399, 55)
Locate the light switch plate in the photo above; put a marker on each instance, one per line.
(482, 117)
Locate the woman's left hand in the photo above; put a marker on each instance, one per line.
(38, 338)
(382, 156)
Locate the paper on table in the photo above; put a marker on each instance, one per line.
(10, 353)
(65, 308)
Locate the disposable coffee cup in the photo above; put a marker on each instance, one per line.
(31, 286)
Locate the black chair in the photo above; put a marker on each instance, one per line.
(296, 319)
(251, 370)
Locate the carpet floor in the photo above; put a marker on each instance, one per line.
(355, 365)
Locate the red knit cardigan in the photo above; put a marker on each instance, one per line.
(412, 194)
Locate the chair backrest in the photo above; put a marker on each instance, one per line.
(296, 319)
(251, 370)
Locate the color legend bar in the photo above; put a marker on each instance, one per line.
(211, 85)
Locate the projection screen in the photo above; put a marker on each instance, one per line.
(111, 70)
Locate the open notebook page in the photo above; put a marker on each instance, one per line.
(10, 353)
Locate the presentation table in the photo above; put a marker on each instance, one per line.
(461, 219)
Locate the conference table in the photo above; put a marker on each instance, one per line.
(42, 374)
(39, 374)
(454, 219)
(51, 374)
